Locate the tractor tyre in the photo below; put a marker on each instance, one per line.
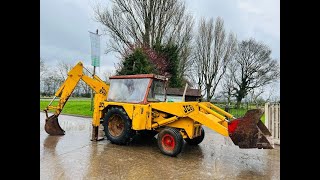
(197, 140)
(117, 126)
(170, 141)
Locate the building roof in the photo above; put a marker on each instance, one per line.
(138, 76)
(179, 92)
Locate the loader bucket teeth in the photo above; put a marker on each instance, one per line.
(250, 132)
(52, 126)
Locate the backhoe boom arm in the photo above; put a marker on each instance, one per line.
(101, 89)
(68, 86)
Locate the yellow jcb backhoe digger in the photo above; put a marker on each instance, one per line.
(137, 104)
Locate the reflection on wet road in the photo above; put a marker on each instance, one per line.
(74, 156)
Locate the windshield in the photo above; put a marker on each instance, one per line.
(157, 91)
(127, 90)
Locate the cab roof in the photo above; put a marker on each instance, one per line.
(139, 76)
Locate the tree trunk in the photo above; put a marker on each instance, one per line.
(208, 94)
(238, 102)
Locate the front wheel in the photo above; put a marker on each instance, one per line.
(170, 141)
(197, 140)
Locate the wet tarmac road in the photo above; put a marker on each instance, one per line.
(74, 156)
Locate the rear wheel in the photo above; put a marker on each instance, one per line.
(117, 126)
(197, 140)
(170, 141)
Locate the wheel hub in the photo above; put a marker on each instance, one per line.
(168, 142)
(116, 125)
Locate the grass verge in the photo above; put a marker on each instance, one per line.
(72, 107)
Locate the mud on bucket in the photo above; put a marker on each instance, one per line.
(52, 126)
(250, 132)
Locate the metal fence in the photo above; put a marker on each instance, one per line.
(272, 120)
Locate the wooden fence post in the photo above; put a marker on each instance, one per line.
(266, 113)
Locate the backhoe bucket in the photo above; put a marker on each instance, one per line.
(52, 126)
(250, 132)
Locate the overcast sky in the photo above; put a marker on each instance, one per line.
(64, 26)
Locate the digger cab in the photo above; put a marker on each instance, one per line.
(140, 89)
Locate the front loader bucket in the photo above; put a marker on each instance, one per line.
(52, 126)
(250, 132)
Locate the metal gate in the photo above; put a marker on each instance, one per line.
(272, 120)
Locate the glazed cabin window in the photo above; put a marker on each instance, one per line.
(127, 90)
(157, 91)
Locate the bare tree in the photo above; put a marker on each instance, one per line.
(51, 82)
(213, 51)
(255, 95)
(62, 70)
(273, 95)
(253, 68)
(147, 23)
(196, 75)
(227, 88)
(54, 78)
(42, 72)
(144, 22)
(182, 37)
(47, 86)
(42, 67)
(185, 61)
(106, 76)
